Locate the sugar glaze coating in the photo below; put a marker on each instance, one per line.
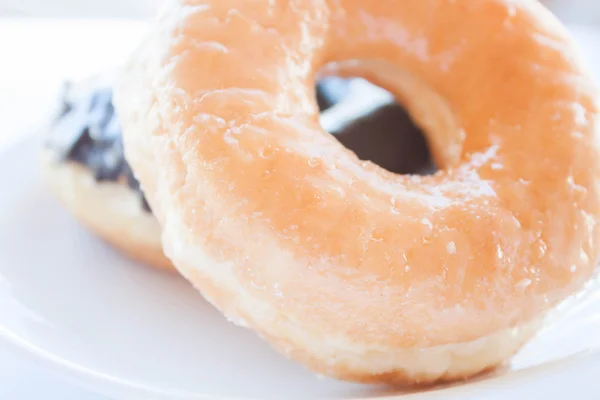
(357, 272)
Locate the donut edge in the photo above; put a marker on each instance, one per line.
(350, 361)
(111, 210)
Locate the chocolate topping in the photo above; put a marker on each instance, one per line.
(87, 131)
(388, 137)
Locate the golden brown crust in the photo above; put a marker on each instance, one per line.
(111, 210)
(353, 270)
(419, 366)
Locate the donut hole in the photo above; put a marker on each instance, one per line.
(368, 120)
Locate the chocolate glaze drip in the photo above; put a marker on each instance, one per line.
(87, 131)
(388, 137)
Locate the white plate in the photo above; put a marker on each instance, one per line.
(130, 332)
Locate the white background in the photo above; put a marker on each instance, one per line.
(79, 8)
(580, 11)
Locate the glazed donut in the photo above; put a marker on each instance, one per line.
(84, 165)
(357, 272)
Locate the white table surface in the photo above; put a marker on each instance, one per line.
(572, 11)
(37, 55)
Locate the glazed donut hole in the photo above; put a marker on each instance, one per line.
(427, 111)
(369, 121)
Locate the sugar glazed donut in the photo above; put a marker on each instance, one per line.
(357, 272)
